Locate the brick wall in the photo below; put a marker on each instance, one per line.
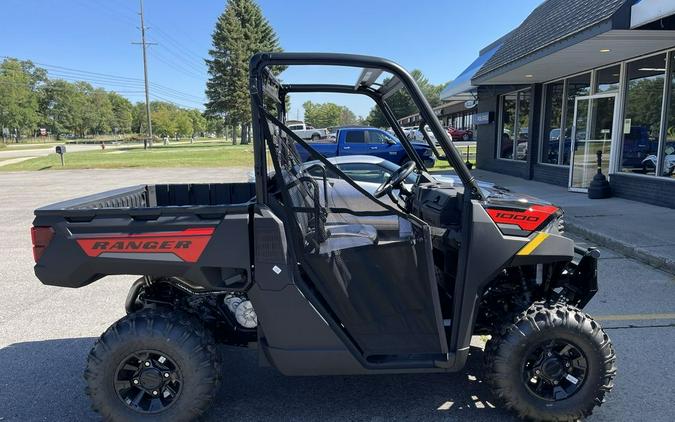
(652, 190)
(555, 175)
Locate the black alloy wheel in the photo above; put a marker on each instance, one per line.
(555, 370)
(148, 381)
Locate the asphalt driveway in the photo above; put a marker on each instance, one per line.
(46, 333)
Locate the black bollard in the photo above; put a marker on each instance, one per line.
(599, 187)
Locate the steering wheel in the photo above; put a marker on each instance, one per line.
(395, 180)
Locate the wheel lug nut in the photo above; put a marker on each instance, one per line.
(555, 382)
(166, 375)
(136, 382)
(537, 372)
(147, 364)
(155, 392)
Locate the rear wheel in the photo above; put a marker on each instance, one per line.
(316, 137)
(554, 363)
(153, 365)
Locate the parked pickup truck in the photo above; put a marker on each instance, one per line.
(368, 141)
(306, 131)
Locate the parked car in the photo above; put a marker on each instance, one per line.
(306, 131)
(370, 172)
(368, 141)
(459, 134)
(414, 134)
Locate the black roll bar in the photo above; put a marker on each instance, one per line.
(261, 61)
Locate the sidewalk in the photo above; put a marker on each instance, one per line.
(642, 231)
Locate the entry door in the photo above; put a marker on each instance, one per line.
(592, 133)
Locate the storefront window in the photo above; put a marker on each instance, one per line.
(607, 79)
(515, 123)
(642, 120)
(668, 156)
(553, 143)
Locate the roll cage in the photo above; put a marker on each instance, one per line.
(263, 85)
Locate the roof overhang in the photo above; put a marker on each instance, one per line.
(585, 51)
(461, 89)
(647, 11)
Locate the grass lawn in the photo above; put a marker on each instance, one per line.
(443, 165)
(182, 154)
(203, 154)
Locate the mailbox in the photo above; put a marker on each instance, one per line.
(61, 149)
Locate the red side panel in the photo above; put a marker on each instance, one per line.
(187, 245)
(529, 219)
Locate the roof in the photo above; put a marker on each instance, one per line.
(551, 22)
(462, 83)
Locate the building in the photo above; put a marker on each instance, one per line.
(580, 81)
(456, 113)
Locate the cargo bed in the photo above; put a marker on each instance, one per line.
(197, 232)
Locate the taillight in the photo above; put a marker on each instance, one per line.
(41, 236)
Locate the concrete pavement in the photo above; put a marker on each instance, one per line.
(642, 231)
(46, 333)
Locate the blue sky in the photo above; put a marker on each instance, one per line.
(439, 37)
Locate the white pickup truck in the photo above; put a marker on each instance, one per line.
(305, 131)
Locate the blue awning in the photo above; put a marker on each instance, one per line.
(461, 88)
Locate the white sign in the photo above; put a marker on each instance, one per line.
(627, 125)
(470, 104)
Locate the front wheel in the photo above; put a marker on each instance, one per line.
(153, 365)
(554, 363)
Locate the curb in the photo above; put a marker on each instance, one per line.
(661, 262)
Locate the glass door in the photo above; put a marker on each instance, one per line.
(592, 136)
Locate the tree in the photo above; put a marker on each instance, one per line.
(18, 97)
(58, 107)
(402, 105)
(198, 121)
(328, 115)
(102, 114)
(183, 122)
(122, 113)
(240, 32)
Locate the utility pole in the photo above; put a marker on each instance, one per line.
(148, 141)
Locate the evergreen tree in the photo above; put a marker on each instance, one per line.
(241, 31)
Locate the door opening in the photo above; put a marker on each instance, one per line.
(592, 133)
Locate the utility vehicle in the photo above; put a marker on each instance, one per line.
(321, 289)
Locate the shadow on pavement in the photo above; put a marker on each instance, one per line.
(42, 380)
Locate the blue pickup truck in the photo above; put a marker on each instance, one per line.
(368, 141)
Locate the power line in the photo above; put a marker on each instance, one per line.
(170, 101)
(177, 67)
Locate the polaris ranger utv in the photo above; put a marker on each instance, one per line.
(322, 283)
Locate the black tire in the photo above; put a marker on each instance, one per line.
(316, 137)
(187, 345)
(466, 137)
(507, 354)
